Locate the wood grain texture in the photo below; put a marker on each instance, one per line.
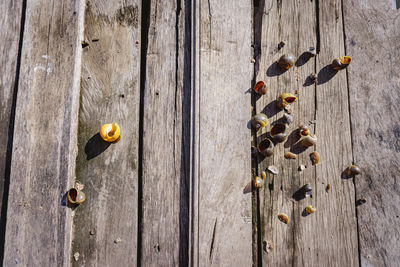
(10, 26)
(166, 131)
(43, 161)
(295, 25)
(337, 219)
(221, 213)
(110, 92)
(307, 240)
(373, 40)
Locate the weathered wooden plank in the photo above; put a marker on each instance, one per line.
(221, 213)
(294, 24)
(336, 209)
(43, 155)
(165, 136)
(300, 243)
(373, 40)
(10, 27)
(110, 92)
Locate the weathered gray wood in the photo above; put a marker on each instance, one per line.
(165, 137)
(373, 40)
(110, 92)
(10, 26)
(328, 237)
(43, 155)
(336, 209)
(221, 213)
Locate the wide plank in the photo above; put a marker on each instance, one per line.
(105, 226)
(221, 227)
(10, 29)
(44, 145)
(308, 240)
(372, 31)
(286, 28)
(166, 120)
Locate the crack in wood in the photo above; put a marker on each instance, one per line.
(213, 239)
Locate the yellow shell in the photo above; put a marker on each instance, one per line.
(310, 209)
(283, 218)
(286, 99)
(258, 182)
(110, 132)
(341, 63)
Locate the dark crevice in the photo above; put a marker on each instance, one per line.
(351, 136)
(146, 4)
(258, 12)
(184, 211)
(7, 172)
(317, 29)
(213, 239)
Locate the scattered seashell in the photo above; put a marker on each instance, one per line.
(311, 51)
(79, 186)
(313, 77)
(285, 99)
(328, 188)
(92, 231)
(110, 132)
(308, 140)
(306, 189)
(278, 132)
(75, 196)
(361, 201)
(341, 63)
(281, 45)
(76, 256)
(264, 175)
(118, 240)
(258, 182)
(288, 109)
(283, 218)
(310, 209)
(273, 169)
(290, 155)
(353, 170)
(285, 62)
(260, 88)
(266, 147)
(288, 118)
(268, 246)
(252, 60)
(259, 121)
(303, 130)
(302, 167)
(314, 156)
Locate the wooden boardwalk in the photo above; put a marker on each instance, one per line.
(177, 76)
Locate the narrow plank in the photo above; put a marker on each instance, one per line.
(110, 92)
(221, 233)
(373, 40)
(10, 27)
(165, 137)
(337, 216)
(43, 155)
(294, 24)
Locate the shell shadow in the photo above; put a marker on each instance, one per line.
(308, 82)
(326, 74)
(95, 146)
(303, 59)
(304, 213)
(298, 195)
(292, 139)
(248, 188)
(344, 175)
(271, 110)
(65, 203)
(275, 70)
(297, 148)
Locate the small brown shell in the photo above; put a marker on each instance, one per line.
(258, 182)
(309, 209)
(259, 121)
(341, 63)
(290, 155)
(308, 140)
(303, 130)
(285, 62)
(314, 156)
(273, 169)
(75, 196)
(283, 218)
(260, 88)
(328, 188)
(264, 175)
(278, 132)
(266, 147)
(353, 170)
